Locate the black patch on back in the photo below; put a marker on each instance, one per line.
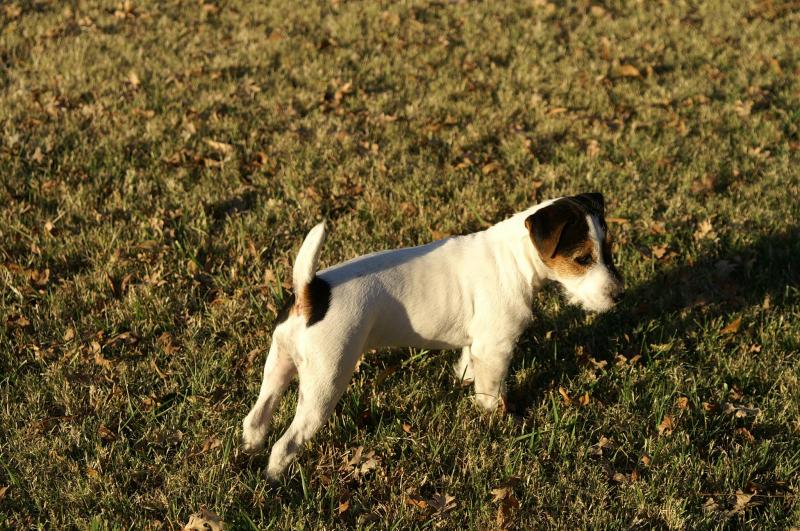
(283, 314)
(318, 295)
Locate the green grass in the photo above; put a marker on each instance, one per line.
(398, 123)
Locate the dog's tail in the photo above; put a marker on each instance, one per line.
(305, 266)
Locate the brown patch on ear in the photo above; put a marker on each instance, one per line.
(592, 202)
(559, 228)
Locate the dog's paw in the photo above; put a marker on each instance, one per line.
(489, 403)
(252, 437)
(250, 446)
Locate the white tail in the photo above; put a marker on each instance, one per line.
(305, 266)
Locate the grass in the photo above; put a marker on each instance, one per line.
(161, 162)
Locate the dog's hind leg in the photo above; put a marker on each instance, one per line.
(278, 372)
(463, 367)
(323, 380)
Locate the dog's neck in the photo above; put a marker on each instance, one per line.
(514, 236)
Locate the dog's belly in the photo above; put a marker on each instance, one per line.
(433, 326)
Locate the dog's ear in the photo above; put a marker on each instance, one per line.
(546, 225)
(592, 202)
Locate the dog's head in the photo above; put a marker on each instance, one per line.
(571, 237)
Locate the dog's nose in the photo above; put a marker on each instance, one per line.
(618, 295)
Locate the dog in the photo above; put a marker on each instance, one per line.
(472, 292)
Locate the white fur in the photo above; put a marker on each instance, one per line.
(471, 292)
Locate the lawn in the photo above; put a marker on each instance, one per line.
(161, 162)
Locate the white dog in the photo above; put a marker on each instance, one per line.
(472, 292)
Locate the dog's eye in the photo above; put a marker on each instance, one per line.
(584, 260)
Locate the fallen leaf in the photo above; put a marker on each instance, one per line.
(707, 184)
(343, 506)
(222, 147)
(597, 448)
(407, 428)
(106, 434)
(627, 70)
(584, 399)
(645, 460)
(710, 506)
(682, 402)
(592, 149)
(740, 412)
(133, 79)
(3, 491)
(490, 167)
(666, 426)
(416, 501)
(732, 328)
(40, 278)
(709, 407)
(205, 520)
(743, 501)
(564, 395)
(705, 230)
(745, 434)
(210, 443)
(442, 502)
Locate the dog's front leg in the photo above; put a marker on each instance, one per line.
(490, 361)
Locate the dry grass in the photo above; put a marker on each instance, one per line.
(160, 163)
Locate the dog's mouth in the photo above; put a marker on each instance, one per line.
(599, 305)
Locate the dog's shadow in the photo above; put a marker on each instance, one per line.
(680, 299)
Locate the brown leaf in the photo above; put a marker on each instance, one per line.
(442, 502)
(106, 434)
(40, 278)
(95, 349)
(490, 167)
(592, 149)
(645, 460)
(343, 506)
(3, 491)
(682, 402)
(745, 434)
(133, 79)
(584, 399)
(205, 520)
(407, 428)
(222, 147)
(597, 448)
(743, 501)
(707, 184)
(564, 395)
(416, 501)
(627, 70)
(732, 328)
(666, 426)
(69, 334)
(19, 321)
(659, 251)
(740, 412)
(705, 230)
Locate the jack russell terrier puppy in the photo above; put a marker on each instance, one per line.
(472, 292)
